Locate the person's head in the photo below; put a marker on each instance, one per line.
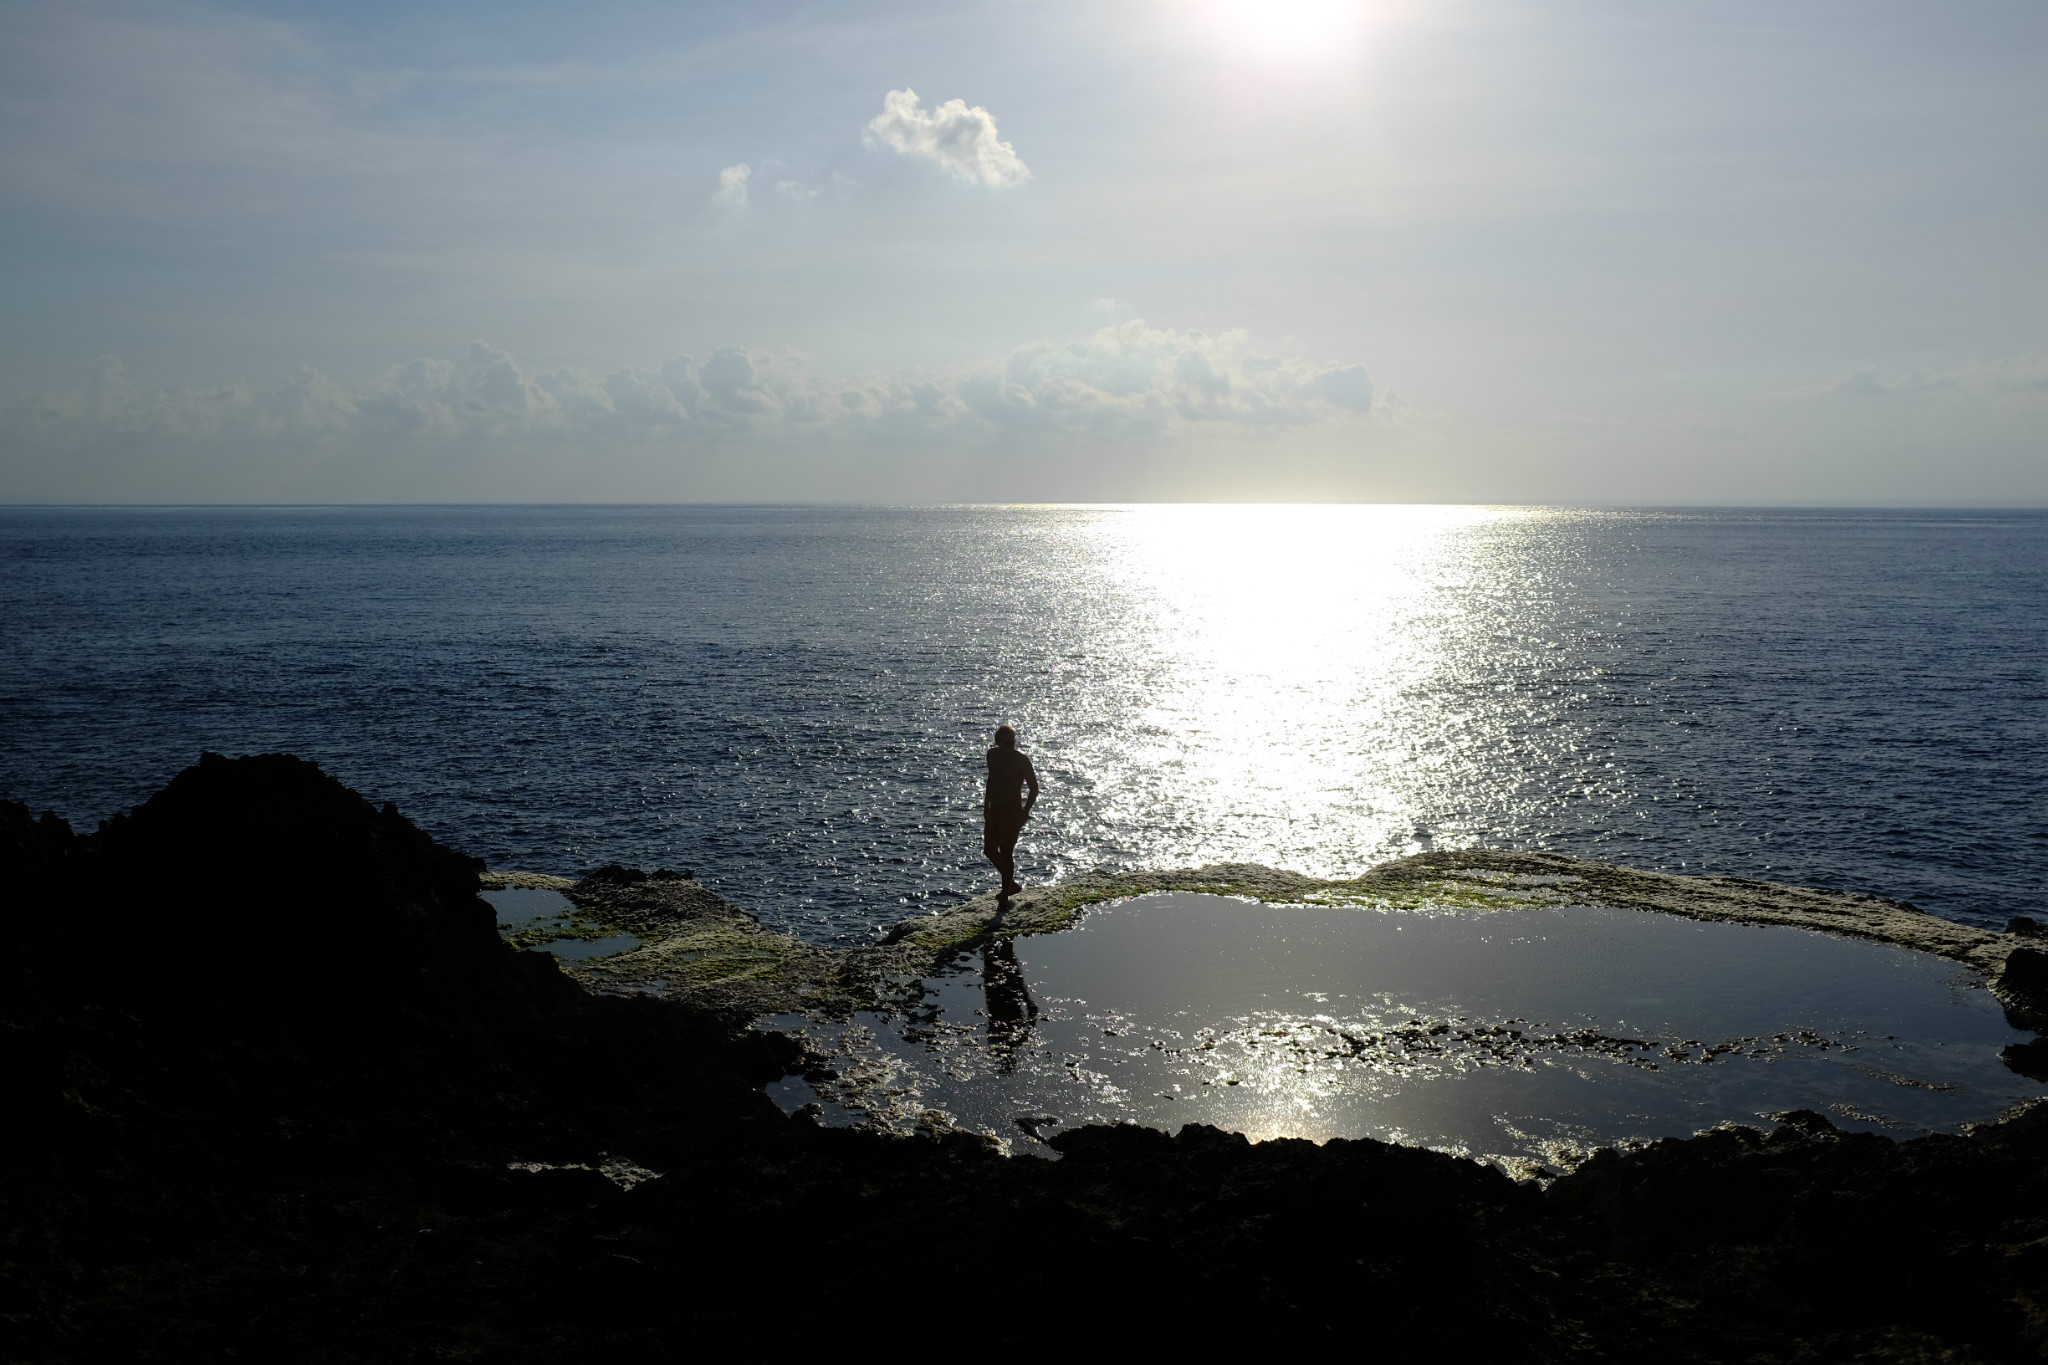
(1006, 737)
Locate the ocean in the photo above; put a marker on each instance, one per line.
(793, 702)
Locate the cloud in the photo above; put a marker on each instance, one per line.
(1349, 388)
(2012, 374)
(732, 186)
(1123, 384)
(959, 138)
(1134, 376)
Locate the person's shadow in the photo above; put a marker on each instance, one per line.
(1009, 1006)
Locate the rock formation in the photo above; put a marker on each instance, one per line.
(281, 1093)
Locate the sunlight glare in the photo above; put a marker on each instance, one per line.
(1291, 30)
(1292, 640)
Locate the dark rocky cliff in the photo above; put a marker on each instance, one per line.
(280, 1093)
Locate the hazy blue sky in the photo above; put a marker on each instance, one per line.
(1596, 251)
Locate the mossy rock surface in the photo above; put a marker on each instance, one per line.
(523, 881)
(699, 947)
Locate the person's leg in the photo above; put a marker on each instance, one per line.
(1006, 863)
(993, 849)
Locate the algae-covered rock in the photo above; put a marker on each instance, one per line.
(1482, 879)
(703, 949)
(694, 945)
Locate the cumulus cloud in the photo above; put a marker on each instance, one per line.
(732, 186)
(958, 137)
(1123, 384)
(1135, 375)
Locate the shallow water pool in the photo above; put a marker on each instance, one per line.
(1527, 1035)
(521, 909)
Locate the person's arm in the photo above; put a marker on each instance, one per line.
(1030, 780)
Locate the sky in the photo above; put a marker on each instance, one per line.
(1122, 250)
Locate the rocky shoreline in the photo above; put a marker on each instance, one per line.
(284, 1094)
(699, 948)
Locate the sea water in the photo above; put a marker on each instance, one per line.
(793, 702)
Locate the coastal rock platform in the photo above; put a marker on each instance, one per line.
(698, 948)
(281, 1091)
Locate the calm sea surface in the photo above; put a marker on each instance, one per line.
(794, 701)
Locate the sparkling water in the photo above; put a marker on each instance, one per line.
(793, 702)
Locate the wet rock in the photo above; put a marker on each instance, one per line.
(1201, 1137)
(613, 874)
(2029, 1059)
(1807, 1123)
(1035, 1125)
(2025, 975)
(2022, 986)
(1103, 1142)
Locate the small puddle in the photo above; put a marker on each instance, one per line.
(1527, 1037)
(578, 949)
(521, 910)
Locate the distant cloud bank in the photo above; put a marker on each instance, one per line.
(955, 136)
(2012, 374)
(1130, 383)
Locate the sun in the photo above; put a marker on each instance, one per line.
(1296, 30)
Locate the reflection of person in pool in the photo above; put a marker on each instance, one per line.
(1003, 812)
(1011, 1010)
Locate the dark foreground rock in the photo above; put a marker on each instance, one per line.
(2022, 982)
(280, 1093)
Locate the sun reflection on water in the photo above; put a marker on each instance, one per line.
(1283, 649)
(1526, 1037)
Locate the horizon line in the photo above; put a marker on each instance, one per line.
(1865, 505)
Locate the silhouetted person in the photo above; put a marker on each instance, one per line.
(1010, 1008)
(1003, 812)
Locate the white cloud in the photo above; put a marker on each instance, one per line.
(732, 186)
(1127, 411)
(1133, 375)
(1125, 383)
(960, 138)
